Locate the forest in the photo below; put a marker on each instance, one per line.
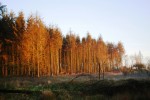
(39, 62)
(30, 48)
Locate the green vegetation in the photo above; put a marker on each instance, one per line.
(130, 89)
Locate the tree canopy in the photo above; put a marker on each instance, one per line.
(30, 48)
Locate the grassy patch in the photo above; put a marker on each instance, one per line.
(130, 89)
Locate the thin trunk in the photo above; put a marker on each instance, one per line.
(49, 61)
(38, 63)
(103, 74)
(60, 61)
(99, 70)
(103, 71)
(71, 62)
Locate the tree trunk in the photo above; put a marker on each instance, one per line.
(60, 62)
(70, 61)
(99, 70)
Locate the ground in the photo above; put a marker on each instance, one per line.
(82, 86)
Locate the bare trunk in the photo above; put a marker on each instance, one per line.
(99, 70)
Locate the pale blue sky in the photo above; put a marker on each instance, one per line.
(116, 20)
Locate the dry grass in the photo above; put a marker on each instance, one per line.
(82, 87)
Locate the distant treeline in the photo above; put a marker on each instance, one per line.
(30, 48)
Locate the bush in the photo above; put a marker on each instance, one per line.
(139, 66)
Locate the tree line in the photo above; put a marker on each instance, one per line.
(30, 48)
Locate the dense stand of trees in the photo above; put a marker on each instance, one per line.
(29, 48)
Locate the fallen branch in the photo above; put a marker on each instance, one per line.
(82, 74)
(20, 91)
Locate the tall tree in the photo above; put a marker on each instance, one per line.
(34, 43)
(102, 55)
(30, 48)
(89, 59)
(7, 39)
(121, 52)
(19, 30)
(55, 49)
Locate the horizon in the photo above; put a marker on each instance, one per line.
(126, 21)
